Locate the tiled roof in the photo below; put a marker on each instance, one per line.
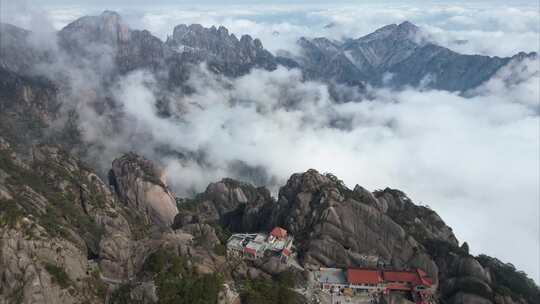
(279, 232)
(400, 276)
(372, 276)
(250, 250)
(363, 276)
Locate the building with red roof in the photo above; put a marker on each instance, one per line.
(279, 233)
(374, 281)
(424, 278)
(364, 276)
(400, 276)
(255, 246)
(407, 280)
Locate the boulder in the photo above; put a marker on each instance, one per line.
(469, 266)
(142, 186)
(233, 204)
(423, 223)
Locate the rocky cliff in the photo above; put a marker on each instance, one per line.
(335, 226)
(223, 52)
(143, 187)
(68, 237)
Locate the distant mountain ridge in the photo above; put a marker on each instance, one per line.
(397, 56)
(394, 55)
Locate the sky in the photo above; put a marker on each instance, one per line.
(473, 160)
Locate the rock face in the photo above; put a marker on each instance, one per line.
(106, 37)
(424, 223)
(142, 186)
(106, 29)
(18, 53)
(222, 51)
(233, 204)
(107, 40)
(65, 238)
(28, 105)
(51, 228)
(336, 226)
(25, 263)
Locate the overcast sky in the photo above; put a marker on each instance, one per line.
(475, 161)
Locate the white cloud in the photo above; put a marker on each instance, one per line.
(474, 160)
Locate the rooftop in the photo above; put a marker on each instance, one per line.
(400, 276)
(372, 276)
(255, 246)
(235, 243)
(364, 276)
(278, 232)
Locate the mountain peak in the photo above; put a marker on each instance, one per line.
(110, 15)
(405, 30)
(220, 46)
(183, 31)
(104, 20)
(199, 37)
(107, 28)
(408, 29)
(407, 25)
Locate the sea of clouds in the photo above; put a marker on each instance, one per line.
(474, 158)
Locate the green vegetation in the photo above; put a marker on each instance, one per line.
(268, 292)
(10, 213)
(222, 233)
(21, 176)
(97, 285)
(138, 224)
(276, 291)
(197, 290)
(64, 210)
(187, 204)
(509, 281)
(177, 283)
(286, 278)
(438, 248)
(58, 274)
(220, 249)
(122, 295)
